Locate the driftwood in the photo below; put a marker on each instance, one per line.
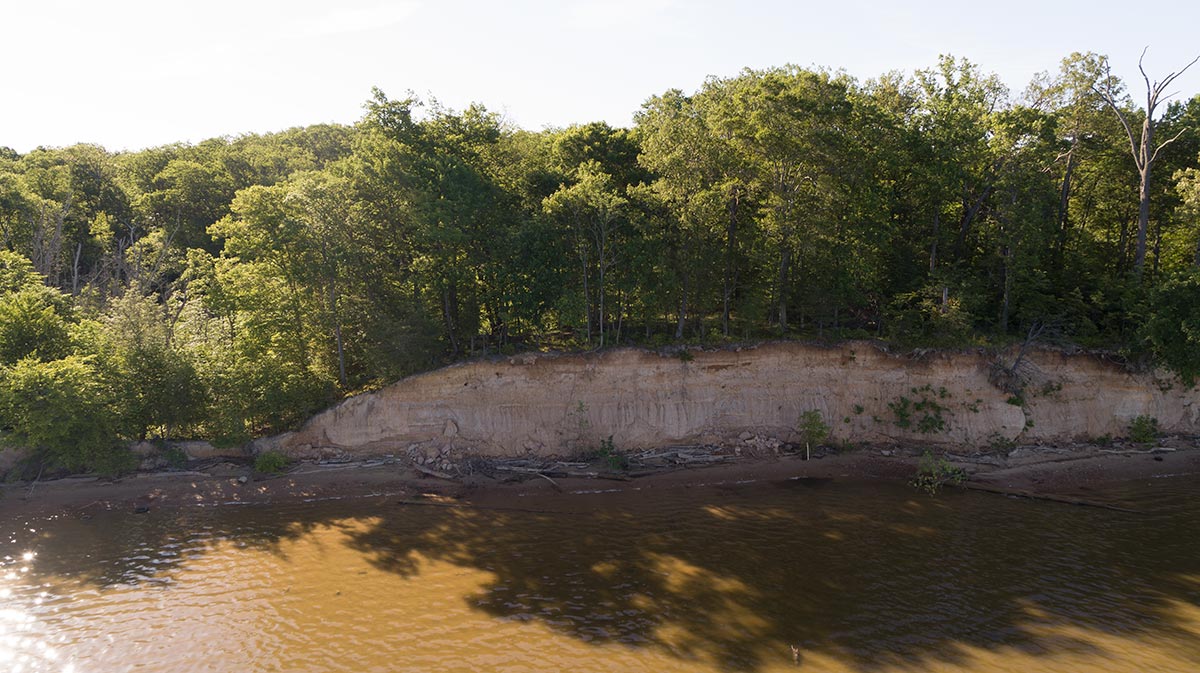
(432, 473)
(516, 468)
(1049, 497)
(640, 464)
(547, 473)
(552, 482)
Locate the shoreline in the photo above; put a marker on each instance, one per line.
(1081, 474)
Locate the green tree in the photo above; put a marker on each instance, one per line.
(32, 325)
(1171, 329)
(812, 430)
(160, 389)
(592, 211)
(62, 410)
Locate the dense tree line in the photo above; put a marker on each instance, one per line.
(230, 288)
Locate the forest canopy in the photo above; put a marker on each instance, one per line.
(229, 289)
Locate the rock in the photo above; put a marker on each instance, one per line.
(887, 453)
(9, 457)
(243, 479)
(281, 443)
(203, 450)
(152, 463)
(450, 430)
(746, 436)
(328, 453)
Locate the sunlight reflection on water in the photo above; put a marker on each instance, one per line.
(24, 644)
(738, 577)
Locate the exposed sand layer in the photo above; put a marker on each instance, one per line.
(542, 405)
(487, 428)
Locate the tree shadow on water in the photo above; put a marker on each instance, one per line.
(874, 576)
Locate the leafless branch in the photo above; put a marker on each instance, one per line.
(1112, 103)
(1143, 71)
(1173, 76)
(1167, 142)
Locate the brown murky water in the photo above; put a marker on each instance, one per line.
(722, 577)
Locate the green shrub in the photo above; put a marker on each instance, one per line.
(921, 319)
(114, 463)
(175, 457)
(998, 442)
(812, 430)
(926, 410)
(933, 472)
(271, 462)
(1143, 429)
(616, 461)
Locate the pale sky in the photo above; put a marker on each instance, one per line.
(129, 74)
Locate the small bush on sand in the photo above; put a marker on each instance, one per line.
(270, 462)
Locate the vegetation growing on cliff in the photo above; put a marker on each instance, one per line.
(230, 288)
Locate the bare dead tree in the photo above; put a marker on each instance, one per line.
(45, 246)
(1013, 377)
(1143, 148)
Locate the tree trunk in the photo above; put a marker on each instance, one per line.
(1139, 255)
(620, 313)
(969, 215)
(785, 258)
(1122, 246)
(337, 333)
(683, 309)
(1064, 198)
(298, 317)
(587, 295)
(727, 281)
(1008, 255)
(448, 319)
(75, 270)
(937, 231)
(600, 299)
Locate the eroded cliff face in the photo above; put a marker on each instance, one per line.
(561, 404)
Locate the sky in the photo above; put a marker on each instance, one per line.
(130, 74)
